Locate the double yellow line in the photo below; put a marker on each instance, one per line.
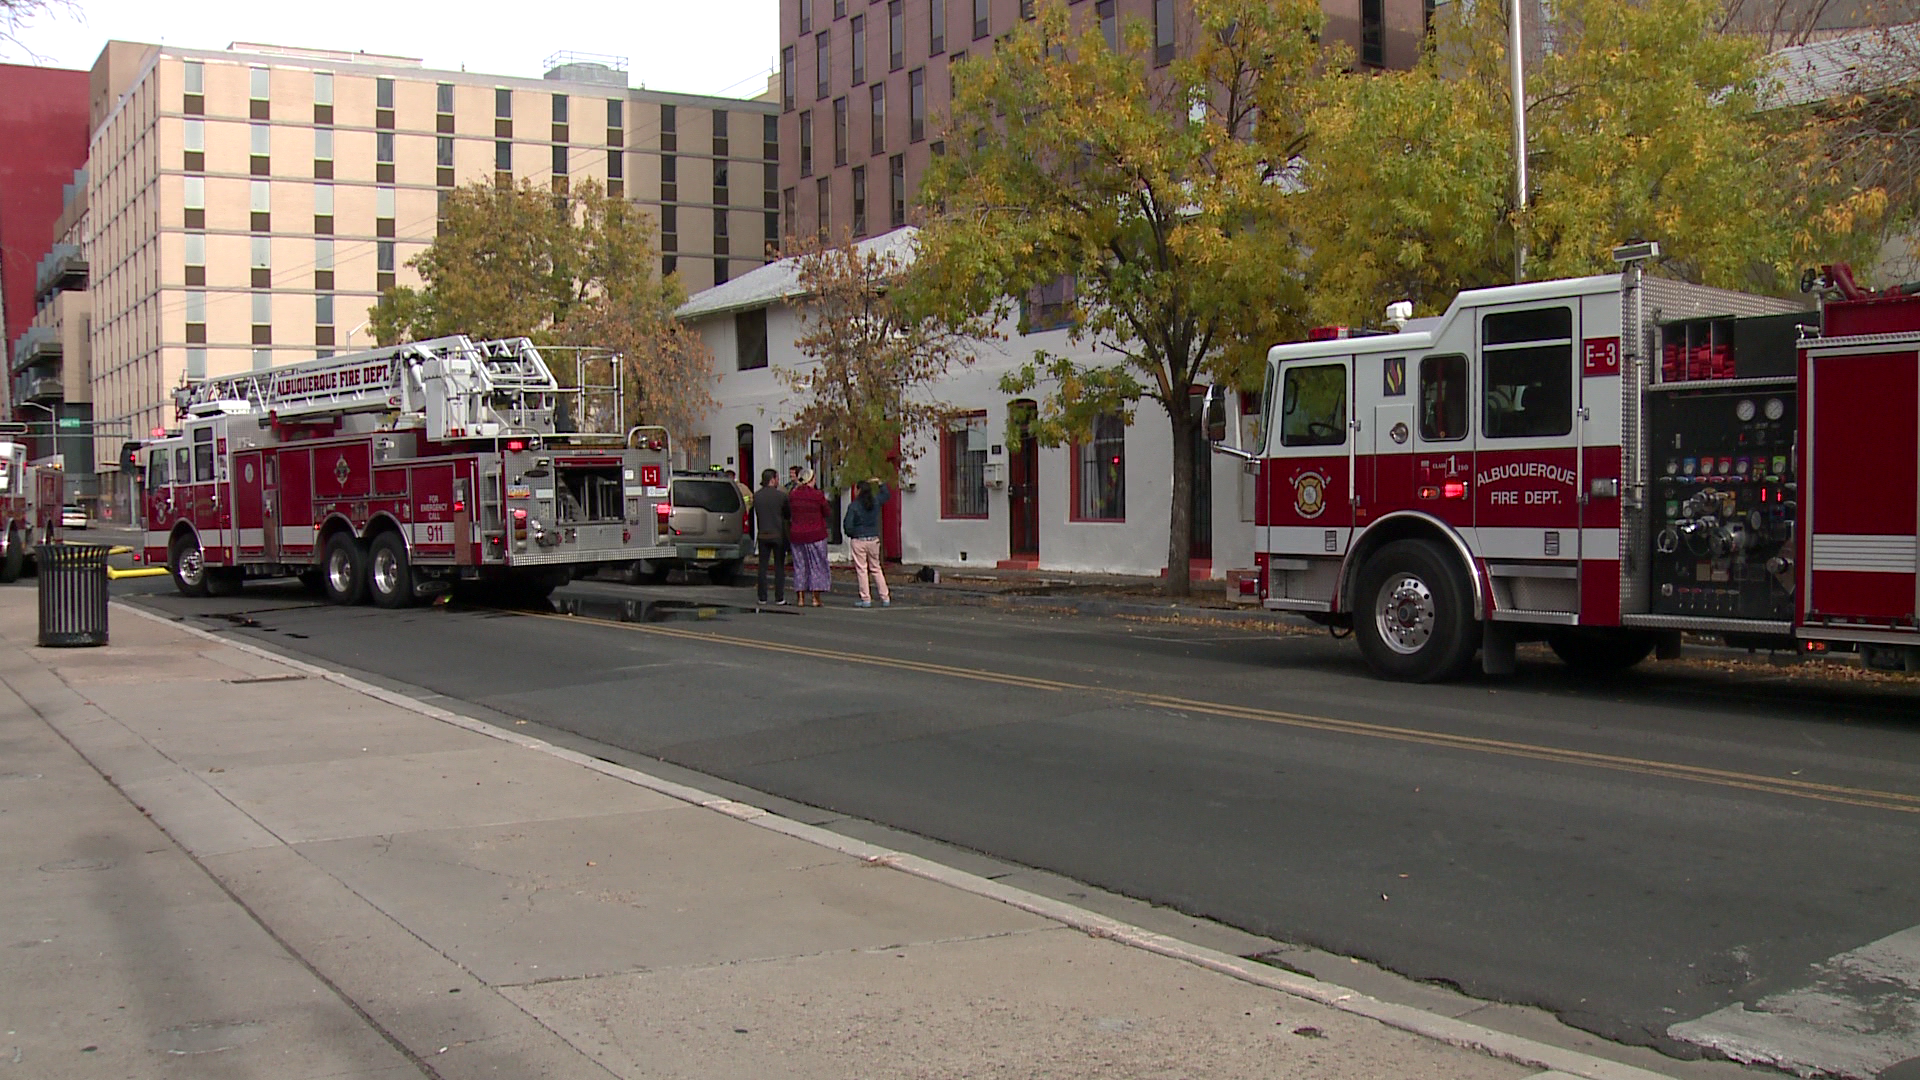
(1896, 801)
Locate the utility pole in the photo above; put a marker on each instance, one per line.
(1519, 144)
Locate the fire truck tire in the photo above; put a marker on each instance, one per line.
(344, 573)
(16, 558)
(389, 574)
(1599, 650)
(1413, 614)
(185, 564)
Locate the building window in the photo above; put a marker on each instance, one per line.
(1109, 24)
(669, 177)
(262, 359)
(720, 223)
(750, 339)
(720, 133)
(840, 131)
(860, 201)
(259, 83)
(383, 93)
(196, 312)
(877, 119)
(559, 108)
(443, 98)
(896, 34)
(322, 263)
(502, 103)
(897, 195)
(616, 163)
(1100, 472)
(193, 138)
(788, 202)
(559, 161)
(1047, 307)
(616, 116)
(937, 27)
(1162, 32)
(839, 9)
(323, 97)
(770, 232)
(786, 79)
(806, 143)
(323, 144)
(1026, 9)
(383, 211)
(822, 66)
(263, 318)
(259, 147)
(806, 16)
(916, 104)
(981, 11)
(859, 29)
(383, 147)
(196, 258)
(193, 76)
(963, 468)
(261, 264)
(1526, 374)
(823, 196)
(720, 271)
(196, 365)
(443, 151)
(668, 265)
(260, 199)
(1373, 33)
(503, 156)
(323, 310)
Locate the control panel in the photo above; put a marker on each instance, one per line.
(1723, 501)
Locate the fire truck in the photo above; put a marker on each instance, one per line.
(29, 504)
(1604, 464)
(396, 473)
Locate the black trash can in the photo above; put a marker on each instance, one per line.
(73, 594)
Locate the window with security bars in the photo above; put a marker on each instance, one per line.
(1100, 472)
(963, 468)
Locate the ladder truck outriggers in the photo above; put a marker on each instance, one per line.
(396, 473)
(1602, 463)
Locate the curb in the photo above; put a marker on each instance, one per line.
(1514, 1048)
(944, 595)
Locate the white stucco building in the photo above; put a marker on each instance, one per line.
(969, 499)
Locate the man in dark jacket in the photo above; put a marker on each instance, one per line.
(770, 526)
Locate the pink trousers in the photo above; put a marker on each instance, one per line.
(866, 559)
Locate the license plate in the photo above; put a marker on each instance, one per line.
(706, 553)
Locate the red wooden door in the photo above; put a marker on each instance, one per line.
(1023, 482)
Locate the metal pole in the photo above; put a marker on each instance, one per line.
(1519, 144)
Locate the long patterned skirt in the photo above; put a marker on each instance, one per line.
(810, 567)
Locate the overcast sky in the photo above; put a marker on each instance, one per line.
(688, 46)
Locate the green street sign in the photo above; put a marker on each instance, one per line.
(70, 423)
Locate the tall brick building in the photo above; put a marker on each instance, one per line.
(864, 83)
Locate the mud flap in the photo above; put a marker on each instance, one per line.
(1497, 642)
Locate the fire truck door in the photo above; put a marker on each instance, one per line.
(1526, 463)
(1309, 471)
(1860, 487)
(248, 506)
(1389, 445)
(270, 506)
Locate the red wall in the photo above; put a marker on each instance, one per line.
(43, 139)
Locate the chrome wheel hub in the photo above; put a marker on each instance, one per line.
(191, 566)
(340, 571)
(386, 572)
(1405, 614)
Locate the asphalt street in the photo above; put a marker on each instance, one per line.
(1629, 854)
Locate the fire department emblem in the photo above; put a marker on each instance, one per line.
(341, 471)
(1310, 494)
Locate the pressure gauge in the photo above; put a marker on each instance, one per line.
(1744, 410)
(1776, 408)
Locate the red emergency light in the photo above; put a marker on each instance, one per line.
(1327, 333)
(1454, 489)
(514, 446)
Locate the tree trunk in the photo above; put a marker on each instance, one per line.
(1180, 518)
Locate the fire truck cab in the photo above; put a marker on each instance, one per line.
(29, 504)
(1602, 463)
(395, 473)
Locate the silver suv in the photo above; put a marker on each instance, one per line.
(707, 526)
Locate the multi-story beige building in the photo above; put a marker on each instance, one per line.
(249, 206)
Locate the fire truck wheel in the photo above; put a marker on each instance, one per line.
(16, 557)
(184, 562)
(389, 575)
(344, 574)
(1599, 650)
(1413, 613)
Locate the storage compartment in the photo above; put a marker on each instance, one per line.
(589, 495)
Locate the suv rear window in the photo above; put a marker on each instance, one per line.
(716, 496)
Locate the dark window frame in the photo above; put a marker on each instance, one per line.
(1106, 499)
(962, 467)
(1303, 434)
(1434, 384)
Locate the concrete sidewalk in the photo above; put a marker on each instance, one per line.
(331, 880)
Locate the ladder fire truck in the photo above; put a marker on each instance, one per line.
(1602, 463)
(29, 504)
(398, 472)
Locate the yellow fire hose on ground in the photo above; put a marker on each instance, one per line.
(114, 573)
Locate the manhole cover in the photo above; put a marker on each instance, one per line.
(76, 864)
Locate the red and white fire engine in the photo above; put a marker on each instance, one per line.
(397, 472)
(1603, 463)
(29, 504)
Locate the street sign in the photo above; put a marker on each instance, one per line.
(70, 423)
